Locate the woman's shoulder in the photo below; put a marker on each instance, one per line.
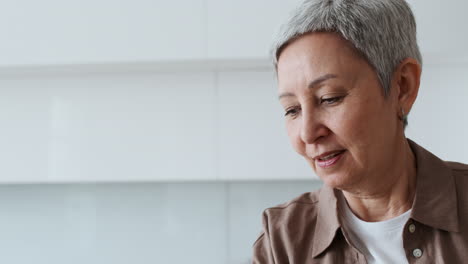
(458, 167)
(306, 199)
(294, 210)
(460, 174)
(286, 224)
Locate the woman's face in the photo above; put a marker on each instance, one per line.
(336, 115)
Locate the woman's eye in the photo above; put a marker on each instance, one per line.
(291, 111)
(331, 100)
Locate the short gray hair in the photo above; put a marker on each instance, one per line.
(382, 31)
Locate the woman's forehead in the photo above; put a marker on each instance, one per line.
(315, 55)
(319, 60)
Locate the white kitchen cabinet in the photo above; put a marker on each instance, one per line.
(206, 121)
(438, 120)
(251, 138)
(53, 32)
(97, 128)
(119, 223)
(441, 26)
(24, 130)
(247, 201)
(244, 29)
(74, 125)
(86, 31)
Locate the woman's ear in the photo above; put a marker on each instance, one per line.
(407, 78)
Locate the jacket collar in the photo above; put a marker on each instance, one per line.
(327, 220)
(435, 202)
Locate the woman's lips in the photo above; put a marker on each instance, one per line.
(330, 162)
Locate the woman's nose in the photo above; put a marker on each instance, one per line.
(312, 128)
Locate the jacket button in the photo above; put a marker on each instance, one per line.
(412, 228)
(417, 253)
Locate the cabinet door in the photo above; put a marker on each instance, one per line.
(438, 119)
(441, 26)
(24, 131)
(251, 138)
(244, 28)
(93, 128)
(87, 31)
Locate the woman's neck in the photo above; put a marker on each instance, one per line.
(391, 195)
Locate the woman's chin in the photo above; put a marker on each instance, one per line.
(336, 180)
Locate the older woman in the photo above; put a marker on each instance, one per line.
(348, 75)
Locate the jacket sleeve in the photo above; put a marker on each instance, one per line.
(262, 251)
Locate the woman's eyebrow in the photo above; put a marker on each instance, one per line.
(311, 85)
(287, 94)
(321, 79)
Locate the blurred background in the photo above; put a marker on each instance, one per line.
(149, 131)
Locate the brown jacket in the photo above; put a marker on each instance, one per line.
(307, 228)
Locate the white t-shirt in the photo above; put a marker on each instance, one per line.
(380, 242)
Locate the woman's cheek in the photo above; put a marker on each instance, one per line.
(294, 135)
